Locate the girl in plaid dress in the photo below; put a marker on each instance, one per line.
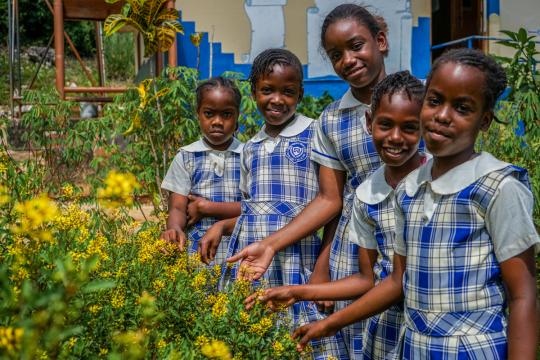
(204, 176)
(395, 126)
(278, 179)
(465, 240)
(355, 42)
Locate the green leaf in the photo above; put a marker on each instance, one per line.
(98, 285)
(113, 23)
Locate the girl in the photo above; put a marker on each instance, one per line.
(355, 42)
(278, 180)
(395, 127)
(464, 231)
(204, 176)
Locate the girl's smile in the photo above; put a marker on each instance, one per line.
(277, 94)
(356, 55)
(395, 129)
(454, 112)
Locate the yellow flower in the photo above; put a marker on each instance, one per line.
(67, 191)
(262, 326)
(158, 285)
(161, 344)
(72, 342)
(220, 306)
(201, 340)
(10, 338)
(199, 280)
(103, 351)
(146, 299)
(35, 214)
(4, 195)
(94, 309)
(278, 347)
(244, 317)
(118, 299)
(72, 218)
(216, 350)
(118, 190)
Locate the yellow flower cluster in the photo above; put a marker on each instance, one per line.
(219, 309)
(35, 214)
(4, 195)
(97, 246)
(216, 349)
(262, 326)
(244, 317)
(118, 190)
(94, 309)
(118, 299)
(278, 347)
(158, 285)
(68, 191)
(152, 248)
(201, 340)
(10, 338)
(199, 280)
(73, 217)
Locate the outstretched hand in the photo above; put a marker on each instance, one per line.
(314, 330)
(254, 260)
(209, 243)
(176, 237)
(275, 298)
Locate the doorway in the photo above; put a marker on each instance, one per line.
(453, 20)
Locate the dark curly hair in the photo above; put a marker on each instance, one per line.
(401, 81)
(265, 62)
(495, 77)
(214, 83)
(374, 23)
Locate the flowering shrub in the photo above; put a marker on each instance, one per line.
(78, 281)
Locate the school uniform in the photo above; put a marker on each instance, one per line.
(215, 175)
(455, 231)
(342, 142)
(372, 227)
(278, 180)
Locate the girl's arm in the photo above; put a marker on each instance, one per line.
(347, 288)
(324, 207)
(378, 299)
(321, 271)
(519, 276)
(176, 220)
(199, 207)
(209, 243)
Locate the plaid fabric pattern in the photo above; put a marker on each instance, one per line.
(280, 186)
(206, 183)
(356, 152)
(453, 286)
(382, 334)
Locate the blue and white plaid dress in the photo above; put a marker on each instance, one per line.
(373, 227)
(342, 142)
(278, 181)
(215, 175)
(450, 231)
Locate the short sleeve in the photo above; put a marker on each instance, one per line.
(399, 242)
(509, 220)
(323, 151)
(362, 228)
(244, 172)
(177, 179)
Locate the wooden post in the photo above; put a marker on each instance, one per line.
(59, 46)
(172, 59)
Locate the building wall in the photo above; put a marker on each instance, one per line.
(237, 30)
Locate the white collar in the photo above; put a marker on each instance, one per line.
(295, 127)
(457, 178)
(200, 145)
(375, 188)
(349, 101)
